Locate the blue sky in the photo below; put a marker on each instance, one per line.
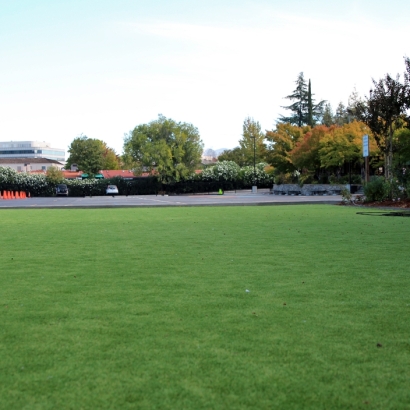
(102, 67)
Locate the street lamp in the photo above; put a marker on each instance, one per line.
(254, 187)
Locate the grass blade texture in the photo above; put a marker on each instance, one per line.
(284, 307)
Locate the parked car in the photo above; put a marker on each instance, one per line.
(62, 189)
(112, 190)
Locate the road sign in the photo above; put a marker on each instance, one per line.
(365, 145)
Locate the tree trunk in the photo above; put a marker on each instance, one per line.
(389, 162)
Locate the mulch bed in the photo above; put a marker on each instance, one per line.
(404, 203)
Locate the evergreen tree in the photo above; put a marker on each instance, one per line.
(310, 106)
(352, 102)
(304, 110)
(298, 108)
(341, 116)
(327, 118)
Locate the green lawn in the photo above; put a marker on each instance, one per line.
(149, 308)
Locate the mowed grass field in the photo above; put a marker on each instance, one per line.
(287, 307)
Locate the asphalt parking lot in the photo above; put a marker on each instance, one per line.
(240, 198)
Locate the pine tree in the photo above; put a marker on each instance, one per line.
(341, 116)
(328, 118)
(305, 111)
(298, 108)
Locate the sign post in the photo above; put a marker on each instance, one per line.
(366, 156)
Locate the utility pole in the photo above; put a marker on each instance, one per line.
(254, 187)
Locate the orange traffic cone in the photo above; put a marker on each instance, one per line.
(7, 195)
(17, 195)
(23, 195)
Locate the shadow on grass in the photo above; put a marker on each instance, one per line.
(403, 213)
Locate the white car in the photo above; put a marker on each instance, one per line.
(112, 190)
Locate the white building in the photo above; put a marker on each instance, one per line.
(30, 164)
(31, 149)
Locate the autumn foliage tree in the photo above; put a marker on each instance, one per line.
(281, 142)
(341, 145)
(305, 155)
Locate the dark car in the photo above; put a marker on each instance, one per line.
(62, 189)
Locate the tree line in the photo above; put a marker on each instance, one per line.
(311, 143)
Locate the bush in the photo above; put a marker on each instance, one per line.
(263, 178)
(226, 171)
(377, 189)
(346, 195)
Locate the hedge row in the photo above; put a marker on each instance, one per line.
(38, 185)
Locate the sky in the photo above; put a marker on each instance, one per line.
(101, 67)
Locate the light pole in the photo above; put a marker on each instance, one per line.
(254, 187)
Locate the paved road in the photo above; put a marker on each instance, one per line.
(229, 198)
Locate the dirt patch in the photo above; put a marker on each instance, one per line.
(358, 201)
(402, 204)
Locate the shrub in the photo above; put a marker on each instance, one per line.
(346, 195)
(248, 174)
(226, 171)
(377, 189)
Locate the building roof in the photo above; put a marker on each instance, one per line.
(23, 160)
(112, 173)
(72, 174)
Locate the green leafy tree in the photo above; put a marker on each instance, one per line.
(54, 176)
(383, 112)
(110, 159)
(170, 149)
(252, 142)
(87, 153)
(236, 155)
(401, 138)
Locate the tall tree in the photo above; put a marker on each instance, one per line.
(252, 139)
(170, 149)
(352, 102)
(383, 111)
(407, 89)
(304, 110)
(343, 144)
(305, 155)
(87, 153)
(110, 159)
(299, 106)
(310, 106)
(281, 142)
(328, 117)
(341, 115)
(236, 155)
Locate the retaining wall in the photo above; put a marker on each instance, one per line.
(308, 189)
